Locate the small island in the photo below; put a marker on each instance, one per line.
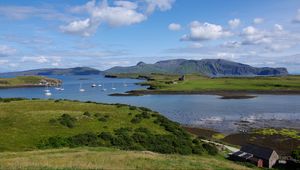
(226, 87)
(28, 81)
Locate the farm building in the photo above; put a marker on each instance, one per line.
(258, 155)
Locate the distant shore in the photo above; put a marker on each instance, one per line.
(222, 94)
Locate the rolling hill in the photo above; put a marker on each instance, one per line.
(55, 71)
(208, 67)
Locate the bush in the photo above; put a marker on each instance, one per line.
(132, 108)
(211, 149)
(296, 154)
(87, 114)
(136, 120)
(87, 139)
(67, 120)
(102, 119)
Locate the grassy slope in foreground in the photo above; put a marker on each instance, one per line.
(26, 81)
(108, 158)
(199, 84)
(24, 123)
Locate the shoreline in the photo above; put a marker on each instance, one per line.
(228, 94)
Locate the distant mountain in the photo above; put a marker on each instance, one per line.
(208, 67)
(55, 71)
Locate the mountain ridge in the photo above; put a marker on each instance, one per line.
(55, 71)
(207, 67)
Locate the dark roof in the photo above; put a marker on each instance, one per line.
(258, 151)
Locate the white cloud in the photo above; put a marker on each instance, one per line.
(234, 23)
(174, 27)
(297, 17)
(231, 44)
(162, 5)
(278, 27)
(81, 27)
(37, 59)
(120, 13)
(4, 62)
(42, 59)
(196, 45)
(252, 36)
(126, 4)
(205, 31)
(23, 12)
(258, 20)
(6, 51)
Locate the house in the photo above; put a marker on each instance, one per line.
(258, 155)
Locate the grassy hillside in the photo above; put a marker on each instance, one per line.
(196, 83)
(31, 129)
(108, 158)
(25, 81)
(23, 124)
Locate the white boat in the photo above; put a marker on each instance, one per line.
(48, 93)
(99, 85)
(103, 89)
(94, 85)
(112, 87)
(81, 89)
(125, 85)
(61, 89)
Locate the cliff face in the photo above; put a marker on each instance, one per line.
(208, 67)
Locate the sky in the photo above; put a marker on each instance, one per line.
(106, 33)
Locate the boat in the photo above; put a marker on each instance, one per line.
(124, 84)
(103, 89)
(112, 87)
(99, 85)
(48, 93)
(81, 89)
(94, 85)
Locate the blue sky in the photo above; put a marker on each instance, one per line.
(102, 34)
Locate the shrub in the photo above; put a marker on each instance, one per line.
(132, 108)
(87, 114)
(145, 109)
(211, 149)
(86, 139)
(102, 119)
(107, 136)
(136, 120)
(296, 154)
(67, 120)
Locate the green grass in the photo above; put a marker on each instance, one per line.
(108, 158)
(295, 134)
(24, 80)
(23, 124)
(202, 84)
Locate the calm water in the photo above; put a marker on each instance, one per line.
(198, 110)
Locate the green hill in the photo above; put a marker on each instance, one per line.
(33, 128)
(27, 81)
(55, 71)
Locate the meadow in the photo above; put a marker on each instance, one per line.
(160, 83)
(21, 81)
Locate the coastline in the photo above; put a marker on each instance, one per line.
(228, 94)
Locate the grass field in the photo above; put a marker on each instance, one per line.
(108, 158)
(24, 81)
(196, 83)
(24, 123)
